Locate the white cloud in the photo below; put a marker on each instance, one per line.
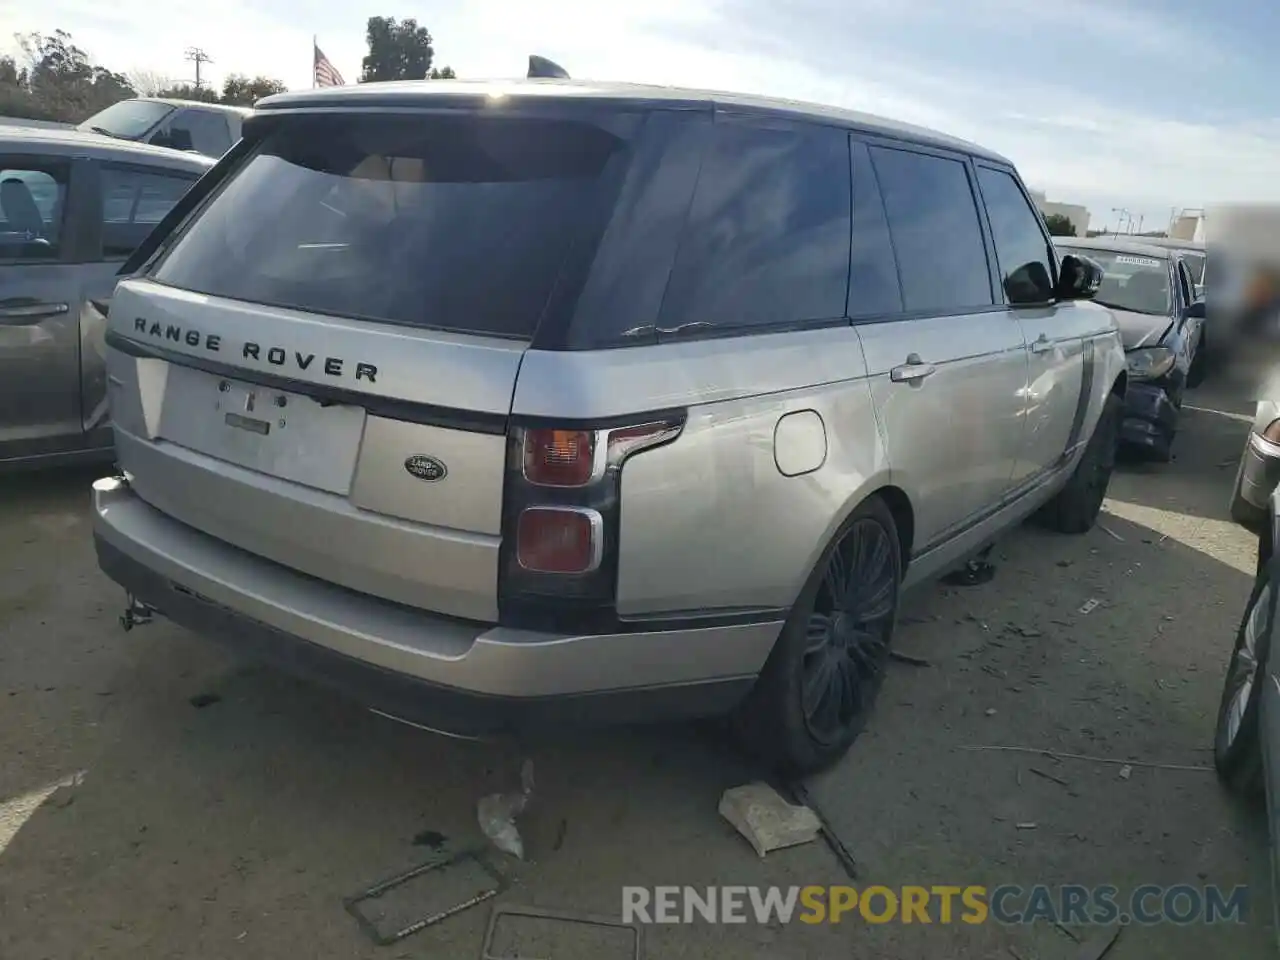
(831, 51)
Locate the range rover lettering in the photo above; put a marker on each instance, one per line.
(716, 379)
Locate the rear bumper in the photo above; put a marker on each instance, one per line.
(449, 675)
(1150, 417)
(1258, 476)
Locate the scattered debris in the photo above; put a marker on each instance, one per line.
(991, 711)
(1029, 825)
(1126, 771)
(1067, 931)
(1048, 776)
(908, 658)
(1162, 540)
(1109, 532)
(202, 700)
(1089, 605)
(1059, 756)
(1065, 563)
(429, 838)
(501, 911)
(975, 572)
(242, 934)
(800, 793)
(352, 904)
(760, 814)
(1028, 632)
(1100, 945)
(561, 831)
(63, 793)
(497, 814)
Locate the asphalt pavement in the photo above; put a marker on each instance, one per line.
(158, 798)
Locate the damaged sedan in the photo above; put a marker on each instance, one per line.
(1150, 291)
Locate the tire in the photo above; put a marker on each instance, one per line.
(1237, 750)
(1076, 506)
(835, 644)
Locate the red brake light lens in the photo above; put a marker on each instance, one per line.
(559, 540)
(559, 458)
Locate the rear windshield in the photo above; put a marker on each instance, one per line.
(128, 119)
(453, 223)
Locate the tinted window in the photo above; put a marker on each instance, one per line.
(936, 234)
(453, 223)
(767, 239)
(1186, 285)
(133, 202)
(1195, 265)
(128, 119)
(1022, 251)
(32, 199)
(873, 273)
(204, 131)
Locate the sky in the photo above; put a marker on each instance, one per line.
(1140, 105)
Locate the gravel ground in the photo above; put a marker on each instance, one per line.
(234, 829)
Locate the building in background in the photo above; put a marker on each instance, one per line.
(1187, 225)
(1078, 215)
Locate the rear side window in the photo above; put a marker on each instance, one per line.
(935, 229)
(1022, 250)
(133, 202)
(456, 223)
(767, 239)
(32, 200)
(204, 131)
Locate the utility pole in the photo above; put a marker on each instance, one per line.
(199, 58)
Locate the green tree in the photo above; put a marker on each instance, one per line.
(59, 81)
(189, 91)
(399, 50)
(243, 91)
(1059, 225)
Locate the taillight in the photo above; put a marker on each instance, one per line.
(561, 507)
(559, 458)
(559, 539)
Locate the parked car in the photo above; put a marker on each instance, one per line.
(1247, 732)
(1148, 289)
(593, 402)
(1259, 469)
(73, 206)
(207, 128)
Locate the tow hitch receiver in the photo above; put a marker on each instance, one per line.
(136, 614)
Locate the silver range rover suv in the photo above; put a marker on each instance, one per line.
(503, 406)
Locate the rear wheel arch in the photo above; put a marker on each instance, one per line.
(899, 505)
(1121, 385)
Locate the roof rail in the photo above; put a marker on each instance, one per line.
(541, 67)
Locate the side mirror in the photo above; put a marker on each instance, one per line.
(1078, 278)
(1196, 311)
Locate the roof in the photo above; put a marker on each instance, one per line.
(203, 104)
(414, 93)
(1114, 245)
(72, 142)
(1173, 243)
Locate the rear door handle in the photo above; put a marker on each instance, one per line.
(1042, 344)
(29, 312)
(913, 371)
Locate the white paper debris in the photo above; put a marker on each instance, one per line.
(766, 819)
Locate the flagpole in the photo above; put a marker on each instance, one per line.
(314, 48)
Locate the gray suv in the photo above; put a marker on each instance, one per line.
(511, 405)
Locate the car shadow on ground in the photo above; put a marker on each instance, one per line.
(239, 825)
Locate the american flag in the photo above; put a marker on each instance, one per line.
(326, 74)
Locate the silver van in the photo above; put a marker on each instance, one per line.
(510, 405)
